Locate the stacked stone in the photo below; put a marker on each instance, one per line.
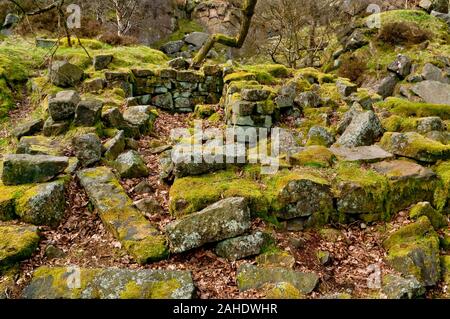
(249, 107)
(177, 90)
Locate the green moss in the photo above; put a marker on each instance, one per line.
(396, 123)
(16, 243)
(215, 118)
(268, 73)
(282, 290)
(153, 290)
(8, 198)
(425, 209)
(442, 194)
(204, 111)
(185, 26)
(152, 248)
(404, 107)
(239, 77)
(314, 156)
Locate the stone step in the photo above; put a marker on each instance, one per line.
(140, 238)
(109, 283)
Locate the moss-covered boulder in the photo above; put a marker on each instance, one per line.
(139, 238)
(425, 209)
(17, 243)
(397, 287)
(442, 195)
(252, 277)
(223, 220)
(62, 105)
(65, 74)
(88, 148)
(276, 259)
(282, 290)
(413, 250)
(409, 183)
(131, 165)
(244, 246)
(8, 198)
(25, 169)
(415, 146)
(39, 145)
(363, 154)
(115, 146)
(445, 267)
(43, 204)
(301, 193)
(318, 135)
(313, 156)
(360, 191)
(110, 283)
(140, 116)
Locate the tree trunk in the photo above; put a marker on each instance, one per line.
(248, 10)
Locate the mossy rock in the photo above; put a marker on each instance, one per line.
(8, 197)
(276, 259)
(405, 108)
(76, 283)
(314, 156)
(17, 243)
(282, 290)
(413, 250)
(442, 194)
(425, 209)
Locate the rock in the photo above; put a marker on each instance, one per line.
(65, 74)
(369, 154)
(185, 165)
(437, 5)
(45, 43)
(401, 66)
(289, 141)
(364, 130)
(164, 101)
(428, 124)
(386, 86)
(308, 99)
(62, 105)
(39, 145)
(409, 183)
(443, 16)
(255, 95)
(43, 204)
(396, 287)
(346, 88)
(88, 149)
(88, 113)
(17, 243)
(297, 194)
(10, 21)
(112, 117)
(276, 260)
(179, 64)
(102, 61)
(413, 250)
(143, 187)
(131, 165)
(433, 73)
(149, 206)
(52, 128)
(441, 137)
(356, 40)
(53, 252)
(324, 257)
(140, 116)
(243, 247)
(318, 135)
(433, 92)
(425, 209)
(282, 291)
(137, 236)
(94, 85)
(172, 47)
(347, 119)
(313, 156)
(197, 39)
(252, 277)
(115, 146)
(415, 146)
(28, 128)
(109, 283)
(225, 219)
(27, 169)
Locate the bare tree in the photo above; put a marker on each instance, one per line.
(248, 10)
(124, 10)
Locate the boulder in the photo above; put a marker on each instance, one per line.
(88, 113)
(433, 73)
(438, 136)
(425, 209)
(433, 92)
(28, 128)
(197, 39)
(369, 154)
(102, 61)
(318, 135)
(413, 250)
(397, 287)
(17, 243)
(429, 124)
(52, 128)
(39, 145)
(179, 64)
(43, 204)
(225, 219)
(386, 86)
(140, 116)
(252, 277)
(415, 146)
(172, 47)
(346, 88)
(115, 146)
(94, 85)
(131, 165)
(26, 169)
(308, 99)
(364, 130)
(62, 105)
(255, 95)
(65, 74)
(401, 66)
(109, 283)
(88, 149)
(243, 247)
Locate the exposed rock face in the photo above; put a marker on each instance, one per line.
(109, 283)
(65, 74)
(433, 92)
(225, 219)
(26, 169)
(142, 241)
(414, 251)
(17, 243)
(218, 16)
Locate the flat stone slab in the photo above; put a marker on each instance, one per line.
(17, 243)
(433, 92)
(253, 277)
(137, 235)
(368, 154)
(401, 169)
(110, 283)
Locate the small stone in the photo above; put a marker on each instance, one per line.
(396, 287)
(386, 86)
(324, 257)
(318, 135)
(276, 260)
(401, 66)
(131, 165)
(172, 47)
(143, 188)
(255, 95)
(94, 85)
(366, 154)
(197, 39)
(179, 64)
(308, 100)
(53, 252)
(346, 88)
(364, 130)
(425, 209)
